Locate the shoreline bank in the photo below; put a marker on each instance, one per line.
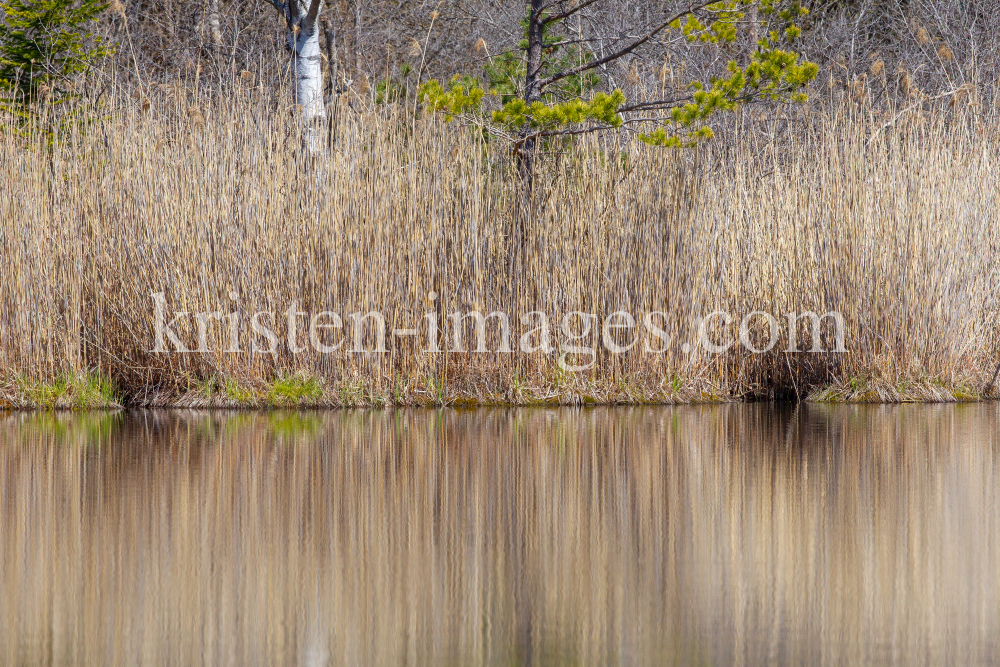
(93, 392)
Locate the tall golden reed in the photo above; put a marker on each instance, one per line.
(890, 220)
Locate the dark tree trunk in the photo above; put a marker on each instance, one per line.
(528, 146)
(532, 94)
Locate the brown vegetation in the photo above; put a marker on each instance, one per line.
(888, 218)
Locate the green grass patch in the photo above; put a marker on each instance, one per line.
(91, 390)
(237, 393)
(296, 389)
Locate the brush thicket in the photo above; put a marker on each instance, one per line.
(888, 219)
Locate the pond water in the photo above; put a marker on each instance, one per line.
(742, 534)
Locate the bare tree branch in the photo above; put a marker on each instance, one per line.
(625, 51)
(567, 13)
(541, 134)
(654, 105)
(586, 40)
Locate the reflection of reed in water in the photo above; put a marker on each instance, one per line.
(712, 534)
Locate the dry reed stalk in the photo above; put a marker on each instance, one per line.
(891, 224)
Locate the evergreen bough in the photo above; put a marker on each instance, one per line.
(559, 98)
(44, 45)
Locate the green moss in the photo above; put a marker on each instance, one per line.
(912, 390)
(465, 402)
(966, 392)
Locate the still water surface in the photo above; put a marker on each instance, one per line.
(744, 534)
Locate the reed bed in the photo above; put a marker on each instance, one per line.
(885, 217)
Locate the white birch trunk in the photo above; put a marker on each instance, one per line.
(303, 42)
(214, 30)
